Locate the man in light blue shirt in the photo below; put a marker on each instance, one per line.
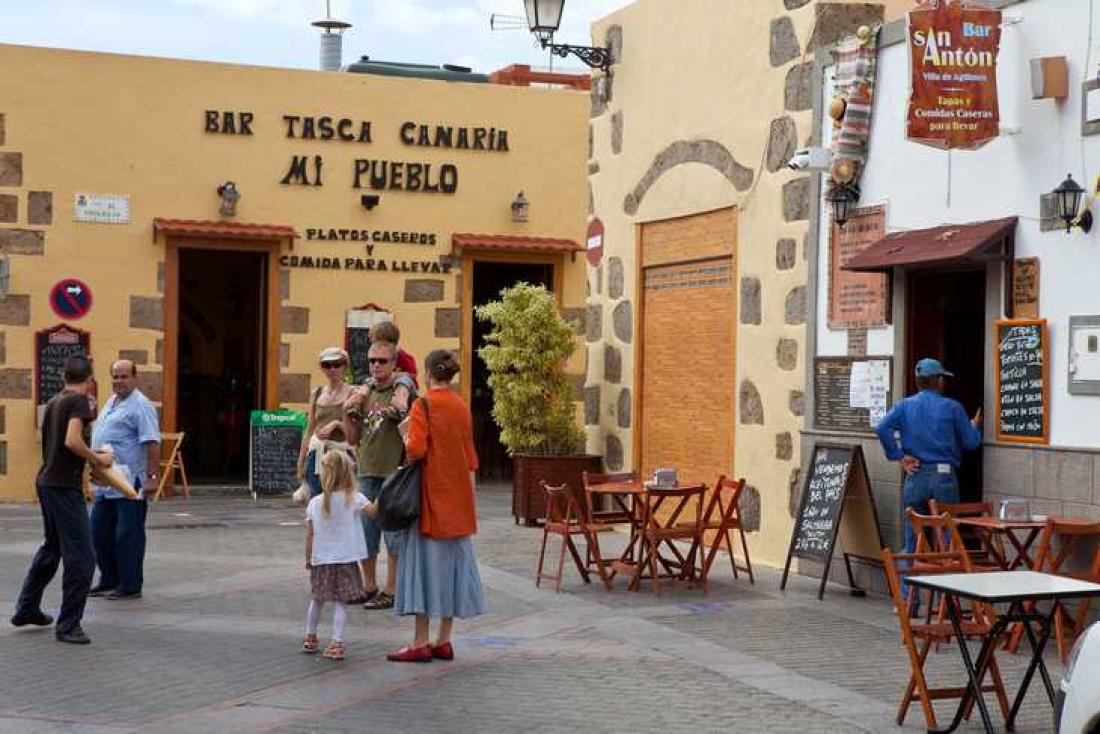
(928, 433)
(128, 424)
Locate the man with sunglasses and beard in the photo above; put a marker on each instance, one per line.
(372, 416)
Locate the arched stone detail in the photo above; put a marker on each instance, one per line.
(707, 152)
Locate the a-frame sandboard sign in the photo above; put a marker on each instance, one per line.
(837, 502)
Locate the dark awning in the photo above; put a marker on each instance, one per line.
(951, 243)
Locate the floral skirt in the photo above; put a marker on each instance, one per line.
(340, 582)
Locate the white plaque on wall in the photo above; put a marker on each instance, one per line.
(103, 208)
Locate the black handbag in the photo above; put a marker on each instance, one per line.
(399, 498)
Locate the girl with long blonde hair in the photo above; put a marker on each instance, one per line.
(334, 547)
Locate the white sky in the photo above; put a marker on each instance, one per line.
(277, 32)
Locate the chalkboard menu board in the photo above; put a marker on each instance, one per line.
(357, 337)
(357, 344)
(821, 502)
(836, 503)
(52, 347)
(1023, 381)
(834, 407)
(275, 436)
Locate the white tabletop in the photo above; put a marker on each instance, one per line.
(1000, 586)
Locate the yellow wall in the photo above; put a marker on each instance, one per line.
(693, 71)
(102, 123)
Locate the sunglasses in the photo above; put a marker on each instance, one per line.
(379, 360)
(332, 365)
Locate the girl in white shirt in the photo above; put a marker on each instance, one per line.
(334, 546)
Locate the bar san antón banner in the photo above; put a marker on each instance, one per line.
(953, 51)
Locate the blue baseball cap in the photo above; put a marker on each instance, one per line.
(929, 367)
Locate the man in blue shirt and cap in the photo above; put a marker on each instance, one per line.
(927, 433)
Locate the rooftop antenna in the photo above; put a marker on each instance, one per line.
(332, 41)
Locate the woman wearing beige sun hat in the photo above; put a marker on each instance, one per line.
(325, 430)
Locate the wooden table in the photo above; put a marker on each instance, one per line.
(988, 529)
(1019, 589)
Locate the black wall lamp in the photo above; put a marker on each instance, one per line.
(544, 19)
(843, 197)
(520, 208)
(369, 201)
(1069, 194)
(229, 198)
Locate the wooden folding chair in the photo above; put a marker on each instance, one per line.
(681, 519)
(931, 633)
(972, 539)
(597, 519)
(938, 532)
(723, 514)
(563, 518)
(1068, 536)
(171, 463)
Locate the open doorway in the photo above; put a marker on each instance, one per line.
(489, 279)
(221, 338)
(946, 320)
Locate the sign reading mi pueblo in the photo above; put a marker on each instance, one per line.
(953, 49)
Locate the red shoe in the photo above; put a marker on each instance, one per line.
(411, 655)
(443, 652)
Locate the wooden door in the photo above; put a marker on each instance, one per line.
(688, 345)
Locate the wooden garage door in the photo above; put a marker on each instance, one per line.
(688, 345)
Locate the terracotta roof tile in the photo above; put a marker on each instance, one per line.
(228, 230)
(513, 243)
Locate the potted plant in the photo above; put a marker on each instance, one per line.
(526, 352)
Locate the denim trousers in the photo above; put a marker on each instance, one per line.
(118, 534)
(371, 487)
(69, 541)
(920, 488)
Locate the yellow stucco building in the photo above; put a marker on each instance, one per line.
(696, 307)
(354, 189)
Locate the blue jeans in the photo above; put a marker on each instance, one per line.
(371, 487)
(67, 540)
(118, 533)
(927, 484)
(313, 476)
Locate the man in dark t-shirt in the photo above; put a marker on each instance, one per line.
(68, 538)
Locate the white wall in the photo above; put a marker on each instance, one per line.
(924, 187)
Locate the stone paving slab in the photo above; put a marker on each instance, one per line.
(213, 647)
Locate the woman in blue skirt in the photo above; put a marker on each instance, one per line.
(439, 577)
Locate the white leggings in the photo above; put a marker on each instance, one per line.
(339, 618)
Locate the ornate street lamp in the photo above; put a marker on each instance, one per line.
(1069, 194)
(544, 19)
(843, 197)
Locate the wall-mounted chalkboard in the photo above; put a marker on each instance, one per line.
(1023, 381)
(275, 437)
(833, 392)
(357, 344)
(836, 500)
(52, 347)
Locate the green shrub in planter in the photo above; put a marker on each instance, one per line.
(526, 352)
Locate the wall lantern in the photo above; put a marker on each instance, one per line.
(520, 206)
(843, 197)
(229, 196)
(544, 19)
(1069, 194)
(5, 275)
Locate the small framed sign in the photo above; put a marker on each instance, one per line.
(101, 208)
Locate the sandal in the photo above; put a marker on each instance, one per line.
(382, 600)
(309, 644)
(334, 651)
(364, 598)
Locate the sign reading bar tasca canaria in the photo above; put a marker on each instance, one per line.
(953, 49)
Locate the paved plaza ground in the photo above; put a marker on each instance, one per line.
(213, 647)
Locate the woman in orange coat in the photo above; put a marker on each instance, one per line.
(439, 576)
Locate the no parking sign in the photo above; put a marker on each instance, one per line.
(71, 298)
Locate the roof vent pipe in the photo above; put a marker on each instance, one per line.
(332, 41)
